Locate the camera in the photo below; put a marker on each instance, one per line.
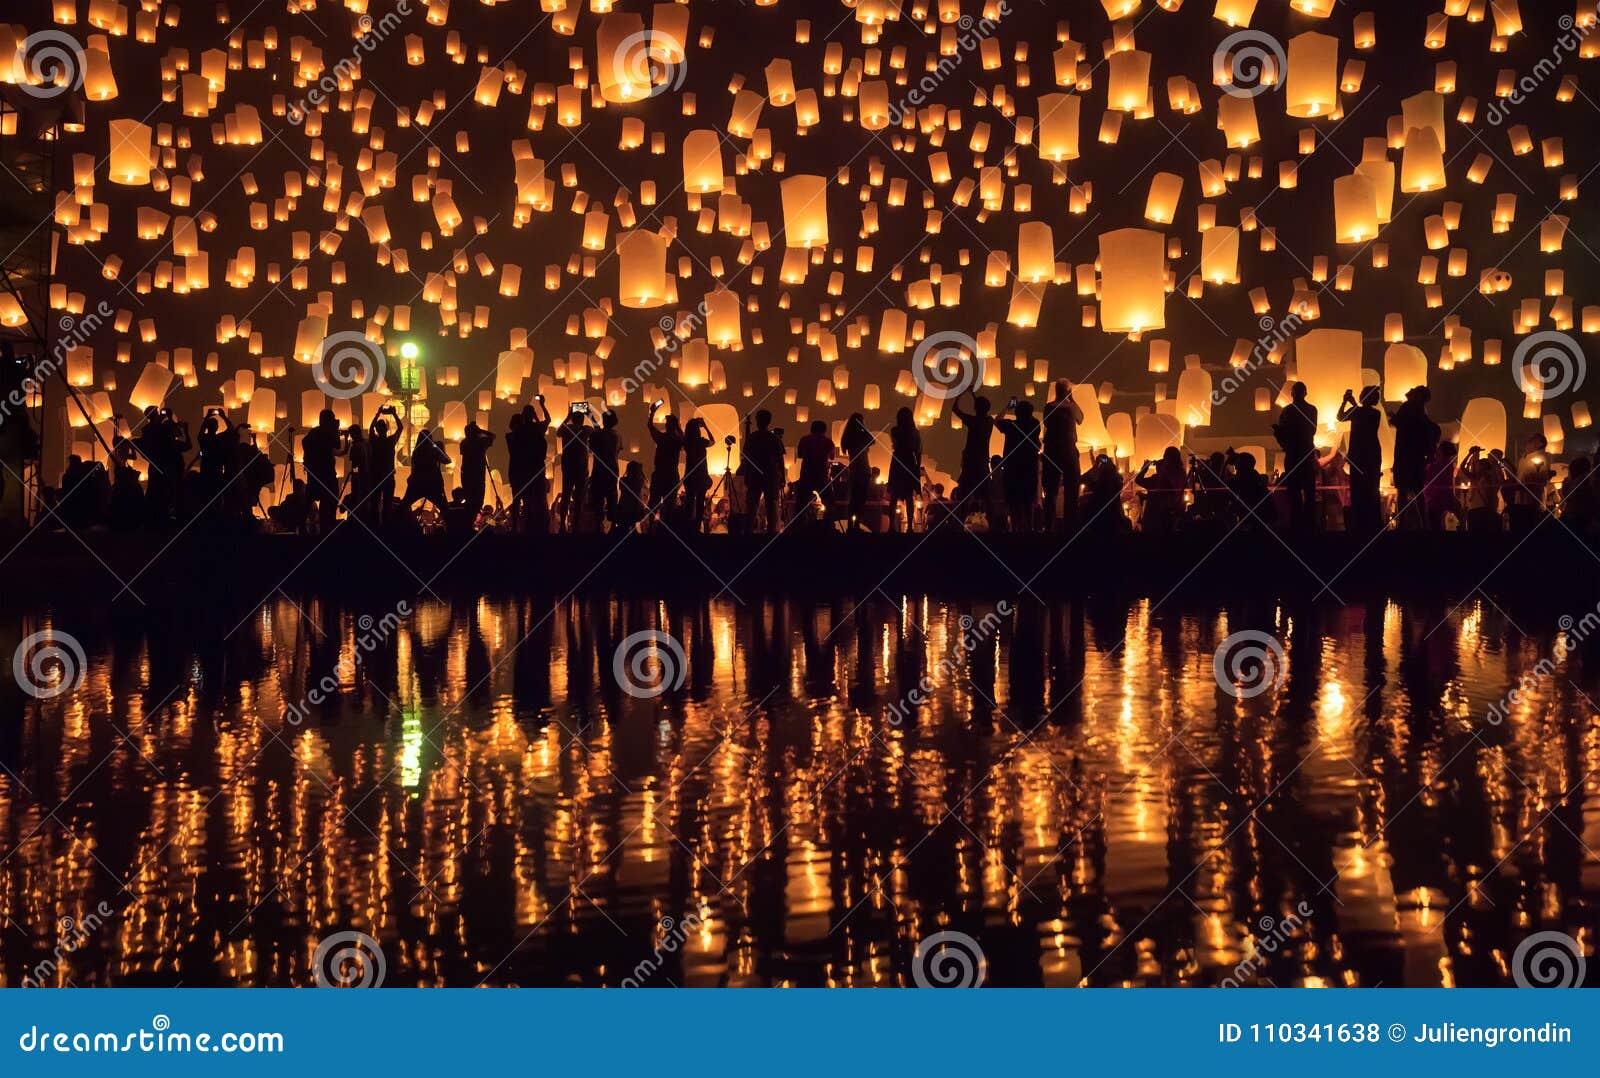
(580, 407)
(1011, 405)
(728, 441)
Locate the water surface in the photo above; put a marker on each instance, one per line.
(493, 797)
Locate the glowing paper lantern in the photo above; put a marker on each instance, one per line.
(151, 388)
(702, 161)
(1483, 424)
(1156, 433)
(1313, 84)
(1219, 255)
(805, 211)
(1422, 163)
(1328, 361)
(1132, 280)
(1128, 85)
(641, 269)
(1059, 124)
(1036, 252)
(130, 152)
(1404, 367)
(1194, 396)
(1355, 208)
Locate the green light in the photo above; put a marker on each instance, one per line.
(408, 350)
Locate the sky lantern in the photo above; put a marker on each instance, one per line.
(722, 318)
(641, 269)
(623, 58)
(1312, 88)
(1483, 424)
(1328, 361)
(1157, 432)
(702, 161)
(1194, 396)
(1425, 109)
(1219, 255)
(1132, 275)
(1162, 202)
(1036, 260)
(805, 211)
(1355, 208)
(130, 153)
(1422, 162)
(1058, 127)
(1404, 368)
(1128, 82)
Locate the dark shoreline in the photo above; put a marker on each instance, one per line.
(1549, 569)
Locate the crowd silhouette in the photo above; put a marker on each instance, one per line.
(1042, 480)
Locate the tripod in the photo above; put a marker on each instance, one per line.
(722, 485)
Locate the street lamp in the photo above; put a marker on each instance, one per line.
(410, 385)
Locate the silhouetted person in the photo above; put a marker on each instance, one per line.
(218, 444)
(127, 497)
(815, 451)
(1439, 488)
(475, 443)
(1249, 488)
(319, 449)
(1365, 455)
(460, 518)
(254, 472)
(855, 442)
(905, 469)
(162, 441)
(979, 426)
(426, 481)
(668, 439)
(1296, 431)
(294, 510)
(1103, 496)
(1483, 475)
(761, 464)
(696, 472)
(1020, 472)
(1580, 499)
(1526, 506)
(631, 505)
(1058, 462)
(604, 476)
(574, 435)
(382, 442)
(527, 447)
(1415, 437)
(85, 493)
(358, 468)
(1164, 487)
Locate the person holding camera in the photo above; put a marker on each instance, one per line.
(604, 475)
(574, 435)
(1020, 471)
(381, 446)
(697, 441)
(668, 439)
(761, 462)
(319, 449)
(527, 447)
(475, 443)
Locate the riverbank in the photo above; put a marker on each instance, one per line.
(1550, 565)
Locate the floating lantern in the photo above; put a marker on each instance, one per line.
(1483, 424)
(641, 269)
(1328, 361)
(1312, 88)
(805, 211)
(1132, 278)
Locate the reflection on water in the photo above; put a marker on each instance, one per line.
(489, 794)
